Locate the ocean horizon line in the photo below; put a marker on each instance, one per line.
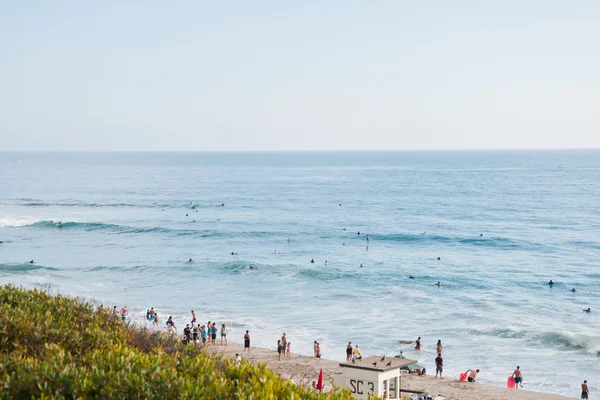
(308, 151)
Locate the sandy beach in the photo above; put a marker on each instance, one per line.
(302, 370)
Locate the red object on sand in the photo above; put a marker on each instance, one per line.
(463, 377)
(511, 383)
(320, 381)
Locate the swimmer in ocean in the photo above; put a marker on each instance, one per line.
(439, 258)
(481, 234)
(573, 290)
(588, 310)
(550, 283)
(312, 261)
(222, 204)
(325, 262)
(368, 238)
(361, 265)
(289, 240)
(358, 233)
(190, 260)
(438, 284)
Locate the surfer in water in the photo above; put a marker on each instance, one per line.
(550, 283)
(573, 290)
(31, 262)
(312, 261)
(439, 258)
(251, 267)
(588, 310)
(438, 284)
(190, 260)
(411, 277)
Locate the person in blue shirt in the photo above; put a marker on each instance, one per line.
(203, 333)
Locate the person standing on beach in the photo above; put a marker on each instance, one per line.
(223, 334)
(114, 311)
(124, 313)
(247, 341)
(584, 390)
(518, 377)
(288, 351)
(213, 330)
(203, 333)
(439, 347)
(315, 348)
(155, 322)
(439, 366)
(284, 342)
(193, 318)
(349, 351)
(195, 333)
(187, 332)
(279, 350)
(318, 350)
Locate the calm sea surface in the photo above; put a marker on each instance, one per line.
(130, 222)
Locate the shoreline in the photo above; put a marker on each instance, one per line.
(302, 370)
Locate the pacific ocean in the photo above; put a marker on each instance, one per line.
(120, 228)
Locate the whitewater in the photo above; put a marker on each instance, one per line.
(120, 228)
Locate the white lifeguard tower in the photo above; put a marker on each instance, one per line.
(375, 376)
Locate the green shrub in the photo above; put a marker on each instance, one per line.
(56, 347)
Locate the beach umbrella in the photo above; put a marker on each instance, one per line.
(320, 381)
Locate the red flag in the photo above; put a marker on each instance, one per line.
(320, 381)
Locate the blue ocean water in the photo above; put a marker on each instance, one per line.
(125, 239)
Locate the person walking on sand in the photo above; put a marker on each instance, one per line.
(223, 334)
(518, 377)
(472, 375)
(247, 341)
(349, 351)
(439, 366)
(315, 348)
(114, 311)
(155, 322)
(584, 390)
(439, 346)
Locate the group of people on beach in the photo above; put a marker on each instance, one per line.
(284, 347)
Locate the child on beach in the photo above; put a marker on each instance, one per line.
(288, 352)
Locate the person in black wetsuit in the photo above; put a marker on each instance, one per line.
(187, 332)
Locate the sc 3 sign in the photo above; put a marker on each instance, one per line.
(357, 386)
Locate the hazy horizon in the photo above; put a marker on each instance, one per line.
(262, 76)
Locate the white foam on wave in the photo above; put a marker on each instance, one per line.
(15, 222)
(10, 221)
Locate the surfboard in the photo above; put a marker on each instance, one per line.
(511, 383)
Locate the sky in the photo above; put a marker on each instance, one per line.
(304, 75)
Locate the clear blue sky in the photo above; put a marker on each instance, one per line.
(277, 75)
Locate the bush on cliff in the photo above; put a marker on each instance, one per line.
(59, 347)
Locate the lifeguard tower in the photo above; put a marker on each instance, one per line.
(376, 375)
